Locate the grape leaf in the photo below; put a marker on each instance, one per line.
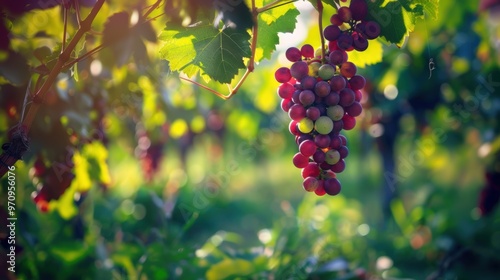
(372, 55)
(217, 53)
(271, 22)
(398, 18)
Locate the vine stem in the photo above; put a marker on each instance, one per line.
(320, 23)
(14, 153)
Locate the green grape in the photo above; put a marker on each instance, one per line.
(335, 112)
(306, 125)
(326, 71)
(332, 156)
(323, 125)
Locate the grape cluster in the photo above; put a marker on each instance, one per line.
(322, 96)
(349, 30)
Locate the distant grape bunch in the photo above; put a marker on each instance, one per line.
(322, 96)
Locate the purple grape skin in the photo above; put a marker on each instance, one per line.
(359, 9)
(338, 83)
(354, 110)
(372, 30)
(293, 54)
(344, 41)
(338, 126)
(322, 141)
(359, 43)
(286, 104)
(304, 137)
(286, 90)
(346, 97)
(295, 96)
(299, 70)
(308, 82)
(306, 97)
(313, 113)
(357, 82)
(297, 112)
(344, 139)
(332, 99)
(335, 142)
(331, 32)
(319, 156)
(332, 186)
(343, 151)
(337, 57)
(322, 88)
(338, 167)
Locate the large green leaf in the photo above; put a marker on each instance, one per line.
(397, 18)
(216, 53)
(271, 22)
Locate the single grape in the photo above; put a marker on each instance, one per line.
(307, 51)
(319, 156)
(359, 42)
(332, 156)
(307, 97)
(344, 139)
(300, 161)
(313, 113)
(357, 82)
(372, 30)
(348, 69)
(293, 54)
(325, 166)
(338, 126)
(282, 75)
(297, 112)
(314, 67)
(286, 90)
(332, 99)
(354, 110)
(322, 141)
(307, 148)
(326, 71)
(306, 125)
(320, 191)
(344, 42)
(337, 57)
(310, 184)
(359, 9)
(336, 20)
(338, 83)
(349, 122)
(322, 88)
(311, 170)
(299, 69)
(304, 137)
(292, 127)
(338, 167)
(328, 174)
(335, 112)
(308, 82)
(346, 97)
(358, 95)
(332, 186)
(344, 14)
(323, 125)
(331, 32)
(343, 151)
(286, 104)
(295, 96)
(335, 142)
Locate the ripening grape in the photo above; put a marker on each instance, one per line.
(332, 186)
(311, 170)
(358, 95)
(286, 90)
(319, 156)
(320, 191)
(336, 20)
(297, 112)
(310, 184)
(338, 83)
(307, 51)
(343, 151)
(299, 69)
(323, 125)
(322, 88)
(331, 32)
(307, 148)
(359, 42)
(335, 142)
(314, 67)
(346, 97)
(359, 9)
(308, 82)
(322, 141)
(372, 30)
(326, 71)
(345, 41)
(300, 161)
(348, 69)
(335, 112)
(337, 57)
(332, 156)
(313, 113)
(292, 127)
(307, 97)
(357, 82)
(354, 110)
(286, 104)
(332, 99)
(349, 122)
(293, 54)
(282, 75)
(344, 14)
(305, 125)
(338, 167)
